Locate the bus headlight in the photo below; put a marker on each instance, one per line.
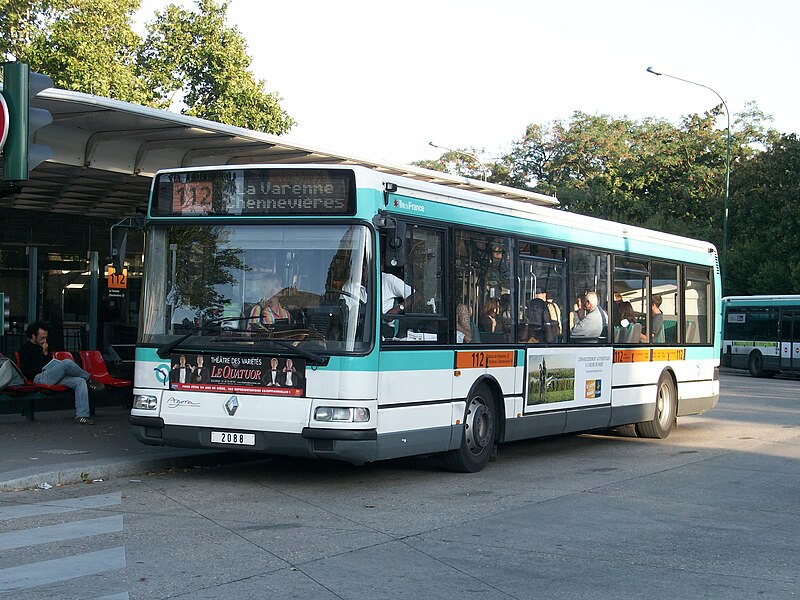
(145, 402)
(340, 414)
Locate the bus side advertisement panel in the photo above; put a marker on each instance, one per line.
(567, 378)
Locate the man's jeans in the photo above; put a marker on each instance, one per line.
(68, 373)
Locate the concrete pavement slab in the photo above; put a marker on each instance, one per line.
(54, 450)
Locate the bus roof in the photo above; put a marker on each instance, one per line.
(502, 200)
(764, 299)
(543, 213)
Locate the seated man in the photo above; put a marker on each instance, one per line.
(593, 322)
(39, 366)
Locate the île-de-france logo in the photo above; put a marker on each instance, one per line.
(162, 373)
(406, 205)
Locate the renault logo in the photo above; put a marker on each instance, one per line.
(231, 405)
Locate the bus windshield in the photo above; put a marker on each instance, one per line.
(246, 286)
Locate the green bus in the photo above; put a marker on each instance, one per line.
(762, 334)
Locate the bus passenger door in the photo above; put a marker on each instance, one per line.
(790, 340)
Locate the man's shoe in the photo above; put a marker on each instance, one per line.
(84, 421)
(95, 386)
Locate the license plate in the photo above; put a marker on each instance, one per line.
(233, 437)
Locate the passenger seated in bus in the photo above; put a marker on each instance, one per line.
(594, 321)
(489, 318)
(627, 323)
(463, 324)
(656, 321)
(269, 309)
(615, 316)
(578, 310)
(505, 313)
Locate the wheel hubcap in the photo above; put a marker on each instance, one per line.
(478, 426)
(663, 403)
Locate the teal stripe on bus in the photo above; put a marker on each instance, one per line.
(530, 226)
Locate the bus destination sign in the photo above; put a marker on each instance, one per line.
(254, 192)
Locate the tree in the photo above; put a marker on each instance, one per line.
(83, 45)
(462, 162)
(195, 58)
(764, 223)
(187, 56)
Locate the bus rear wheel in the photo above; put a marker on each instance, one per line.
(479, 436)
(666, 409)
(756, 366)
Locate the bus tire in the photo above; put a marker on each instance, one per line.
(755, 364)
(479, 438)
(666, 409)
(626, 430)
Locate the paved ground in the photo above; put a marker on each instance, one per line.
(54, 450)
(710, 512)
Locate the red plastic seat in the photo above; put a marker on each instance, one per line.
(41, 387)
(63, 355)
(95, 365)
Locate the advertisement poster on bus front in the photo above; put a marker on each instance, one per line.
(222, 373)
(567, 378)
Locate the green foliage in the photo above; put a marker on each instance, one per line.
(84, 45)
(460, 162)
(764, 226)
(188, 56)
(671, 178)
(192, 56)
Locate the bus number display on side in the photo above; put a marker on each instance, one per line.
(484, 360)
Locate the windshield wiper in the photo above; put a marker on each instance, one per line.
(167, 349)
(307, 354)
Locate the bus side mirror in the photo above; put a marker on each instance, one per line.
(119, 241)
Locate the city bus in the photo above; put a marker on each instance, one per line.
(762, 334)
(341, 312)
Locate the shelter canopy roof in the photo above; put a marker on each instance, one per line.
(105, 153)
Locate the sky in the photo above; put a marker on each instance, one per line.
(379, 80)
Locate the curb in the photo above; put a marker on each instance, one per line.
(71, 474)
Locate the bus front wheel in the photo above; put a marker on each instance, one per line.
(666, 409)
(479, 436)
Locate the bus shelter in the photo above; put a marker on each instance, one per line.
(56, 226)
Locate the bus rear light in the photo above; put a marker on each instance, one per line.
(339, 414)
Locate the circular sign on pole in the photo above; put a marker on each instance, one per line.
(3, 121)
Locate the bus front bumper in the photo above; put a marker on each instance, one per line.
(355, 446)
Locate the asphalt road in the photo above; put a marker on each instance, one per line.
(710, 512)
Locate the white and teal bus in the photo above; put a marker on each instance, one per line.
(762, 334)
(263, 327)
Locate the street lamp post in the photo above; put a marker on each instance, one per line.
(472, 156)
(724, 261)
